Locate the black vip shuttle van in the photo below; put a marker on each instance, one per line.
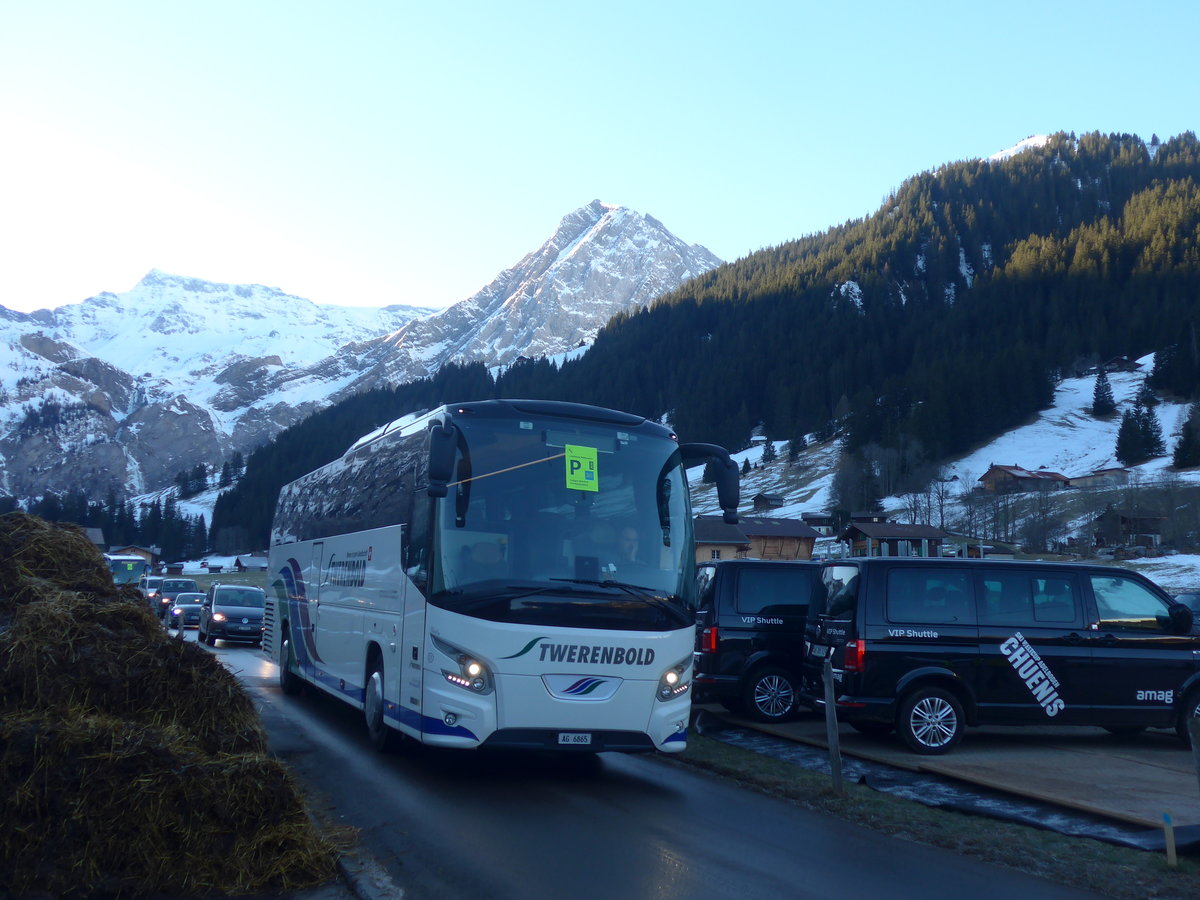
(928, 647)
(750, 634)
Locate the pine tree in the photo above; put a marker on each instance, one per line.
(768, 452)
(1103, 403)
(1129, 440)
(794, 447)
(1151, 433)
(1187, 450)
(746, 466)
(1145, 395)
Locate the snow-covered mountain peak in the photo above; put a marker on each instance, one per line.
(122, 391)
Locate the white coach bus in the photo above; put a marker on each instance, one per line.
(501, 573)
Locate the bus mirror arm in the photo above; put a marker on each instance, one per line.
(725, 471)
(443, 441)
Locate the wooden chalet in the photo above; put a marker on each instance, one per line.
(1128, 528)
(1015, 479)
(767, 502)
(778, 538)
(892, 539)
(251, 562)
(823, 522)
(717, 539)
(1102, 478)
(149, 554)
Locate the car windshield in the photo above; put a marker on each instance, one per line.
(189, 599)
(247, 598)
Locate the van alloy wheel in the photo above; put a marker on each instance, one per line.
(930, 721)
(770, 695)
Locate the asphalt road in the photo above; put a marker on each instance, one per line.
(445, 825)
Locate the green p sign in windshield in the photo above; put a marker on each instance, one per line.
(582, 474)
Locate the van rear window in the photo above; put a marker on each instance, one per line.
(929, 596)
(775, 590)
(840, 598)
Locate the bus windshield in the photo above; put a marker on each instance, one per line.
(565, 522)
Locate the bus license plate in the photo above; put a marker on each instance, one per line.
(574, 738)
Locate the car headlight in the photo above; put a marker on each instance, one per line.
(675, 681)
(218, 617)
(472, 675)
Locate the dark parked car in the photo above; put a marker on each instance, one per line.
(232, 612)
(750, 634)
(185, 611)
(930, 646)
(170, 589)
(150, 585)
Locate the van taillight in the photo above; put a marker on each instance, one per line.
(856, 656)
(708, 640)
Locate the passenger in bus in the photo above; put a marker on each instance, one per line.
(628, 546)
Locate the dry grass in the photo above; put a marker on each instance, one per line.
(131, 763)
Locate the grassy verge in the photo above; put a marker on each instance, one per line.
(1080, 862)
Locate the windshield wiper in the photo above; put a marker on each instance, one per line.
(638, 592)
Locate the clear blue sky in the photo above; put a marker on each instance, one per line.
(389, 152)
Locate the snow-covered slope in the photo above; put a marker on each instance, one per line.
(1065, 438)
(123, 391)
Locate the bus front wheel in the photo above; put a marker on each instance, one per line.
(383, 738)
(289, 681)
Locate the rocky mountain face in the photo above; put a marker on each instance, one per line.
(121, 392)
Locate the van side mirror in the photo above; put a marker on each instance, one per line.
(1180, 617)
(725, 471)
(443, 441)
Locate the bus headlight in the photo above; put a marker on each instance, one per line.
(472, 675)
(676, 681)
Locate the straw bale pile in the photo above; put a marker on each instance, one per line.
(131, 763)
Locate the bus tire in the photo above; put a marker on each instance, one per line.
(383, 738)
(289, 681)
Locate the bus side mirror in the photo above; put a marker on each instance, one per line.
(443, 441)
(724, 470)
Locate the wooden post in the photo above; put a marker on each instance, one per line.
(831, 731)
(1193, 725)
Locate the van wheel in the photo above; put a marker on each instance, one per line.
(1188, 711)
(383, 738)
(769, 695)
(289, 681)
(930, 721)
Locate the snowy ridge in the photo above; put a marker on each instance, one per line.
(123, 391)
